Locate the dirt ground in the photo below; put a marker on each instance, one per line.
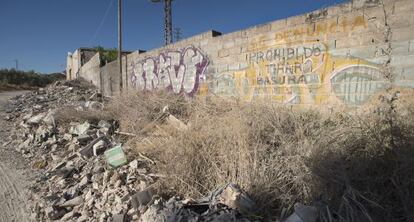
(14, 171)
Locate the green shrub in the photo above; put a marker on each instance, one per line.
(27, 78)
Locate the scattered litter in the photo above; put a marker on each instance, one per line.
(115, 156)
(79, 129)
(76, 183)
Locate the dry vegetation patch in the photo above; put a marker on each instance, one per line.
(354, 166)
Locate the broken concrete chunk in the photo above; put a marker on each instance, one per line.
(134, 164)
(72, 192)
(303, 213)
(36, 119)
(104, 124)
(154, 214)
(73, 202)
(118, 218)
(54, 214)
(27, 116)
(85, 180)
(84, 138)
(79, 129)
(232, 196)
(49, 119)
(141, 198)
(176, 123)
(93, 105)
(67, 136)
(67, 216)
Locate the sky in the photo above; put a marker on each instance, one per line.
(40, 33)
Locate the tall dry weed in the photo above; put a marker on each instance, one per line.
(356, 166)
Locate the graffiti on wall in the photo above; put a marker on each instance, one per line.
(305, 72)
(179, 71)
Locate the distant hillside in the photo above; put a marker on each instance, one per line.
(11, 79)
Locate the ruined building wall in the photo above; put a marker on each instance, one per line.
(110, 79)
(343, 54)
(90, 71)
(73, 65)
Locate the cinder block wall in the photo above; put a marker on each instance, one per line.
(343, 54)
(90, 71)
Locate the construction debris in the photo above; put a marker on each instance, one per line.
(303, 214)
(85, 174)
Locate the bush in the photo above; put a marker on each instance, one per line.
(106, 55)
(11, 78)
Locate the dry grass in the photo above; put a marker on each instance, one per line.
(137, 110)
(357, 167)
(79, 83)
(65, 116)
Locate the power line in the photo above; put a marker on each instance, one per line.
(102, 22)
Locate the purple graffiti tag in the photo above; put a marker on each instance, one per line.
(178, 71)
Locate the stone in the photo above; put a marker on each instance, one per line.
(106, 177)
(104, 124)
(36, 119)
(26, 117)
(232, 196)
(82, 218)
(54, 214)
(73, 202)
(94, 105)
(49, 211)
(303, 213)
(134, 164)
(67, 216)
(153, 214)
(84, 138)
(102, 217)
(65, 172)
(49, 119)
(118, 218)
(142, 171)
(88, 195)
(67, 136)
(72, 192)
(8, 117)
(85, 180)
(141, 198)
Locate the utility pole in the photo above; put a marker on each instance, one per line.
(17, 63)
(167, 20)
(120, 45)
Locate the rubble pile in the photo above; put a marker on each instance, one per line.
(84, 174)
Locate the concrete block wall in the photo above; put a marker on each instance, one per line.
(337, 55)
(109, 79)
(90, 71)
